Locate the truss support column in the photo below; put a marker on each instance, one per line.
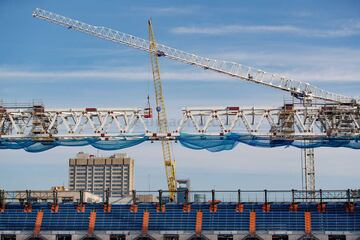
(309, 171)
(309, 155)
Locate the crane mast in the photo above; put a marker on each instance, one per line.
(296, 88)
(162, 116)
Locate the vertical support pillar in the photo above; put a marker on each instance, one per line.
(55, 205)
(186, 205)
(145, 223)
(266, 205)
(28, 206)
(307, 216)
(160, 207)
(2, 200)
(81, 206)
(38, 222)
(350, 207)
(198, 226)
(309, 172)
(239, 205)
(107, 205)
(293, 206)
(81, 197)
(252, 223)
(134, 206)
(213, 207)
(92, 220)
(321, 206)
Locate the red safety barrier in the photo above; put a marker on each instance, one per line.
(145, 223)
(252, 225)
(38, 222)
(307, 216)
(198, 226)
(92, 220)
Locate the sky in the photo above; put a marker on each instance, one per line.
(316, 42)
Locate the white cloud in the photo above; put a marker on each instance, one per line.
(308, 64)
(305, 64)
(123, 74)
(349, 28)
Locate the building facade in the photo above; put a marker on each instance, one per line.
(98, 174)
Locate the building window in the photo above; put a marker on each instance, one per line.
(63, 237)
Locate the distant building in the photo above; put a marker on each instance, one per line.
(48, 196)
(97, 174)
(183, 185)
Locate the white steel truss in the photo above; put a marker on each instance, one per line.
(296, 88)
(37, 122)
(285, 123)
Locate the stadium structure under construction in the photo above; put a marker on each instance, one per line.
(325, 215)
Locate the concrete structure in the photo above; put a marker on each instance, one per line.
(98, 174)
(49, 195)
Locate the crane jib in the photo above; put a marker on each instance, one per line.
(296, 88)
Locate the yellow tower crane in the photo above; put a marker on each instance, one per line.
(162, 116)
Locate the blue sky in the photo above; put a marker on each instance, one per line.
(317, 42)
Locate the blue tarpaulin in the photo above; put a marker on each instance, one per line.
(193, 141)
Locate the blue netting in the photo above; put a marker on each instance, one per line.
(229, 141)
(193, 141)
(39, 146)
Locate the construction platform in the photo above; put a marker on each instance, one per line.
(303, 218)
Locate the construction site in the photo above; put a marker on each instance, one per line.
(310, 118)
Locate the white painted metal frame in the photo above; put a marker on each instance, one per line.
(107, 123)
(71, 123)
(308, 123)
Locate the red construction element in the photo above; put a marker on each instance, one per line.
(266, 207)
(294, 207)
(350, 207)
(148, 113)
(92, 220)
(54, 208)
(27, 208)
(213, 207)
(252, 223)
(321, 207)
(80, 208)
(107, 207)
(160, 209)
(233, 108)
(240, 207)
(134, 208)
(186, 207)
(38, 222)
(198, 226)
(307, 216)
(145, 223)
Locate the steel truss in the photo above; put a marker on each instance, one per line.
(285, 123)
(40, 123)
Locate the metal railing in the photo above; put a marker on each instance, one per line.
(190, 196)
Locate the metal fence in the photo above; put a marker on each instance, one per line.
(188, 196)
